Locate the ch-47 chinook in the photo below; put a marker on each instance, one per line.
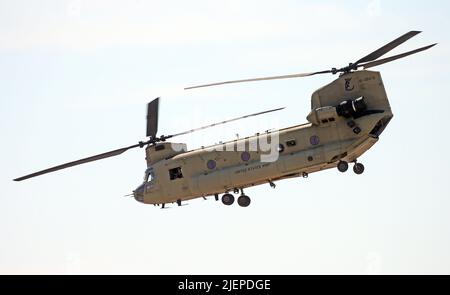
(346, 119)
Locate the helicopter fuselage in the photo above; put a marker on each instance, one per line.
(347, 116)
(346, 119)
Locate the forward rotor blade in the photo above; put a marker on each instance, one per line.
(227, 121)
(152, 117)
(260, 79)
(78, 162)
(392, 58)
(388, 47)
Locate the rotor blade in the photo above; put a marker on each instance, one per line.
(227, 121)
(152, 117)
(260, 79)
(78, 162)
(392, 58)
(388, 47)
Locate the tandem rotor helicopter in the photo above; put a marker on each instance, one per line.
(346, 119)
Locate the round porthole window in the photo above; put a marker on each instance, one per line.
(280, 148)
(211, 164)
(314, 140)
(245, 156)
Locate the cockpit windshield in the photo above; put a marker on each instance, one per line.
(149, 175)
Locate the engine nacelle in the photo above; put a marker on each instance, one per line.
(350, 108)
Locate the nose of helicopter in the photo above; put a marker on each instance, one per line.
(139, 193)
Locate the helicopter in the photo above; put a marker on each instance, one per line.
(346, 119)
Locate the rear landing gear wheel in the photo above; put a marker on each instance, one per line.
(243, 201)
(228, 199)
(358, 168)
(342, 166)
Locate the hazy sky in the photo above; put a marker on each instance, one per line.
(75, 77)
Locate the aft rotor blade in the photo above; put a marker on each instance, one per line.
(392, 58)
(260, 79)
(78, 162)
(388, 47)
(223, 122)
(152, 117)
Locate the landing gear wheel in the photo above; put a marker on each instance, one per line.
(243, 201)
(358, 168)
(228, 199)
(342, 166)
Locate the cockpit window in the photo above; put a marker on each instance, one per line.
(149, 175)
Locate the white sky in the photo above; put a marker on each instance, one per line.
(75, 77)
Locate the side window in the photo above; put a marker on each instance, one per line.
(175, 173)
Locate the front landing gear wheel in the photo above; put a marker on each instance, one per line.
(358, 168)
(342, 166)
(243, 201)
(228, 199)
